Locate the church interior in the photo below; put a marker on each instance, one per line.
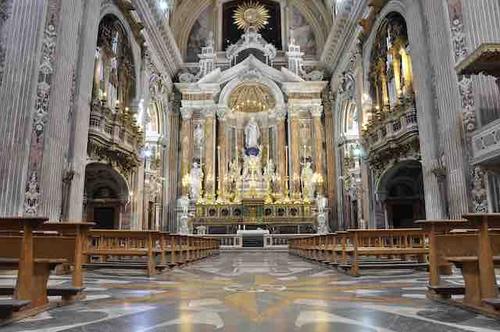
(249, 165)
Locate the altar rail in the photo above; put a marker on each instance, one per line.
(228, 241)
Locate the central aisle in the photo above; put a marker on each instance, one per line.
(254, 291)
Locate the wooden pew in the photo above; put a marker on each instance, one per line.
(388, 243)
(351, 250)
(17, 253)
(61, 240)
(122, 245)
(473, 246)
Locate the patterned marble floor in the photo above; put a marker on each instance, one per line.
(254, 291)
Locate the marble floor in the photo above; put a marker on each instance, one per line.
(253, 291)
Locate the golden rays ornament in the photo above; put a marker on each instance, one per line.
(251, 15)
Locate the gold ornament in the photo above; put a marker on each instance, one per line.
(251, 15)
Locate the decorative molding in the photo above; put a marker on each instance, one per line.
(460, 52)
(41, 111)
(479, 192)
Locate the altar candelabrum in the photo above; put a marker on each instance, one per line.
(286, 195)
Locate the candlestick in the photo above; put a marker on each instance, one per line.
(236, 140)
(286, 160)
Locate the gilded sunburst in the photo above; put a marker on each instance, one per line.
(251, 15)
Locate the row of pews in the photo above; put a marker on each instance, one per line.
(472, 245)
(356, 250)
(37, 248)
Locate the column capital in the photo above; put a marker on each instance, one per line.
(186, 113)
(280, 113)
(209, 112)
(316, 111)
(222, 112)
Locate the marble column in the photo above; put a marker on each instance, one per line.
(223, 146)
(293, 118)
(447, 100)
(331, 175)
(173, 169)
(81, 108)
(209, 157)
(281, 117)
(316, 113)
(186, 143)
(24, 21)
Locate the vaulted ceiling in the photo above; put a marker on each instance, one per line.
(188, 11)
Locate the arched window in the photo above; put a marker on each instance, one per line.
(114, 77)
(391, 73)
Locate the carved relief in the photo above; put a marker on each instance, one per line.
(40, 116)
(479, 193)
(469, 114)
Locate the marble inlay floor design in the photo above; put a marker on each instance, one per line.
(254, 291)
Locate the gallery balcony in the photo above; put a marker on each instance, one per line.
(391, 127)
(486, 144)
(114, 136)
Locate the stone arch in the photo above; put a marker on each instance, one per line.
(233, 84)
(107, 195)
(113, 10)
(400, 190)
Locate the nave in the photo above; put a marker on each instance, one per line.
(254, 291)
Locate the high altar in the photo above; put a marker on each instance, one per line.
(252, 152)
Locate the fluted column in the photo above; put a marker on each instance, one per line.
(223, 147)
(331, 169)
(186, 142)
(448, 102)
(209, 157)
(294, 153)
(281, 150)
(316, 113)
(81, 110)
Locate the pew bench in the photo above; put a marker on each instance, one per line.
(384, 245)
(123, 245)
(473, 246)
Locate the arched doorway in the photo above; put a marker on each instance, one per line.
(401, 192)
(106, 196)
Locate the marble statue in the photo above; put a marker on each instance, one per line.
(308, 184)
(196, 177)
(252, 134)
(269, 171)
(184, 205)
(321, 205)
(199, 134)
(184, 225)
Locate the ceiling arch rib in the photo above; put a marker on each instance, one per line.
(186, 16)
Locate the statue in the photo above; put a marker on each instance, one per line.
(321, 204)
(184, 205)
(308, 184)
(252, 134)
(183, 225)
(196, 176)
(199, 134)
